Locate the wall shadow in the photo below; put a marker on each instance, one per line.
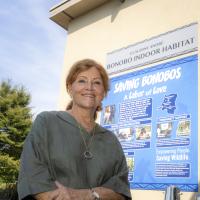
(110, 8)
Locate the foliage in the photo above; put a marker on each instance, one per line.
(15, 122)
(8, 192)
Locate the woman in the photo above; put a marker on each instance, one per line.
(67, 156)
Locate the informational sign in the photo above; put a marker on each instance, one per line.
(171, 44)
(154, 114)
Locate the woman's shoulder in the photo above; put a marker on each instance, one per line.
(108, 133)
(48, 115)
(102, 129)
(55, 117)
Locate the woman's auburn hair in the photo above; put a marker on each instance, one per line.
(84, 65)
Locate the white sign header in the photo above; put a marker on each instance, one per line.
(170, 44)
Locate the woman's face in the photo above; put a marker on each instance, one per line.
(87, 91)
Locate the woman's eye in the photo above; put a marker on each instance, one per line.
(97, 83)
(81, 81)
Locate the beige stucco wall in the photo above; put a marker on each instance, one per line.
(115, 25)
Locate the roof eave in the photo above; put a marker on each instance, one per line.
(68, 10)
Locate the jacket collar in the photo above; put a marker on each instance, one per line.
(65, 116)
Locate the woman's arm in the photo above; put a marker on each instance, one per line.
(34, 175)
(45, 195)
(108, 194)
(64, 193)
(76, 194)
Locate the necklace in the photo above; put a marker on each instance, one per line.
(87, 153)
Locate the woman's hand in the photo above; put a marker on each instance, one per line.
(61, 193)
(64, 193)
(85, 194)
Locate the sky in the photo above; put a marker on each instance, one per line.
(32, 50)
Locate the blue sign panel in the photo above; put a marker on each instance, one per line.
(153, 112)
